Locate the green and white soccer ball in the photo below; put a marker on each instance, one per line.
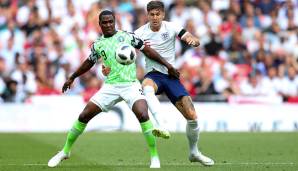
(126, 54)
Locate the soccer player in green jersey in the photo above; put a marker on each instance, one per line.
(121, 84)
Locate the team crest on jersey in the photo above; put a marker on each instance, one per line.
(120, 39)
(165, 36)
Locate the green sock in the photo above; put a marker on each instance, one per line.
(147, 131)
(76, 130)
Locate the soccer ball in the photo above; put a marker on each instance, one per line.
(125, 54)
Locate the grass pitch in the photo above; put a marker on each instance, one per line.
(127, 151)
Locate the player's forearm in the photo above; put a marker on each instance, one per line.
(87, 64)
(152, 54)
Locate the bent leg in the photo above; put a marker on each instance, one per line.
(134, 97)
(140, 109)
(79, 126)
(150, 88)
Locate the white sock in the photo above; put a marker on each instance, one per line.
(153, 104)
(192, 133)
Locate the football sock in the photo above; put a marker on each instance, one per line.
(76, 130)
(153, 104)
(192, 132)
(147, 131)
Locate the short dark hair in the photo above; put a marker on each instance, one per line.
(155, 5)
(105, 12)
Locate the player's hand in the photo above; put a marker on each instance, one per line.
(192, 41)
(173, 72)
(67, 84)
(105, 70)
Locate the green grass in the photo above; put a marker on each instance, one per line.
(127, 151)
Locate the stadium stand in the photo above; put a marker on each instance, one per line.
(249, 48)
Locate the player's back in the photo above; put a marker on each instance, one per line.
(163, 41)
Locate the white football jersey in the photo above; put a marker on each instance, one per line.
(162, 41)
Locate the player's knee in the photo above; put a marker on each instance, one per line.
(140, 109)
(190, 114)
(89, 112)
(85, 117)
(143, 117)
(149, 83)
(148, 90)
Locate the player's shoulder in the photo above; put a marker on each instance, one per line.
(143, 29)
(169, 25)
(167, 22)
(97, 42)
(125, 33)
(122, 32)
(172, 27)
(98, 39)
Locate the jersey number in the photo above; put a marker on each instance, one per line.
(103, 54)
(141, 91)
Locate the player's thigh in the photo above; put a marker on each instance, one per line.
(174, 90)
(131, 93)
(186, 107)
(106, 97)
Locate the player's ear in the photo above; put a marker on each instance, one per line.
(163, 14)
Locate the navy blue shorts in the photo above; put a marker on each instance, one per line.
(172, 87)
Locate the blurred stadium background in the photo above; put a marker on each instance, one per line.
(244, 76)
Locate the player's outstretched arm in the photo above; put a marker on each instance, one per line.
(152, 54)
(190, 39)
(87, 64)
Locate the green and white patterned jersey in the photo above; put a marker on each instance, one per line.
(105, 48)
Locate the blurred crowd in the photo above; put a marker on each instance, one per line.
(248, 47)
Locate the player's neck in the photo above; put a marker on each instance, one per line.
(109, 35)
(155, 29)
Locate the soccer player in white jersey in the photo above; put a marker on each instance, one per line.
(121, 84)
(160, 35)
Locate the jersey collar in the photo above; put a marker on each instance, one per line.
(110, 35)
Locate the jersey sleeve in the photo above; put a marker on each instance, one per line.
(138, 32)
(179, 31)
(93, 57)
(137, 42)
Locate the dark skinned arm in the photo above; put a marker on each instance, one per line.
(86, 66)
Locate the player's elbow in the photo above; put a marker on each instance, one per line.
(148, 52)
